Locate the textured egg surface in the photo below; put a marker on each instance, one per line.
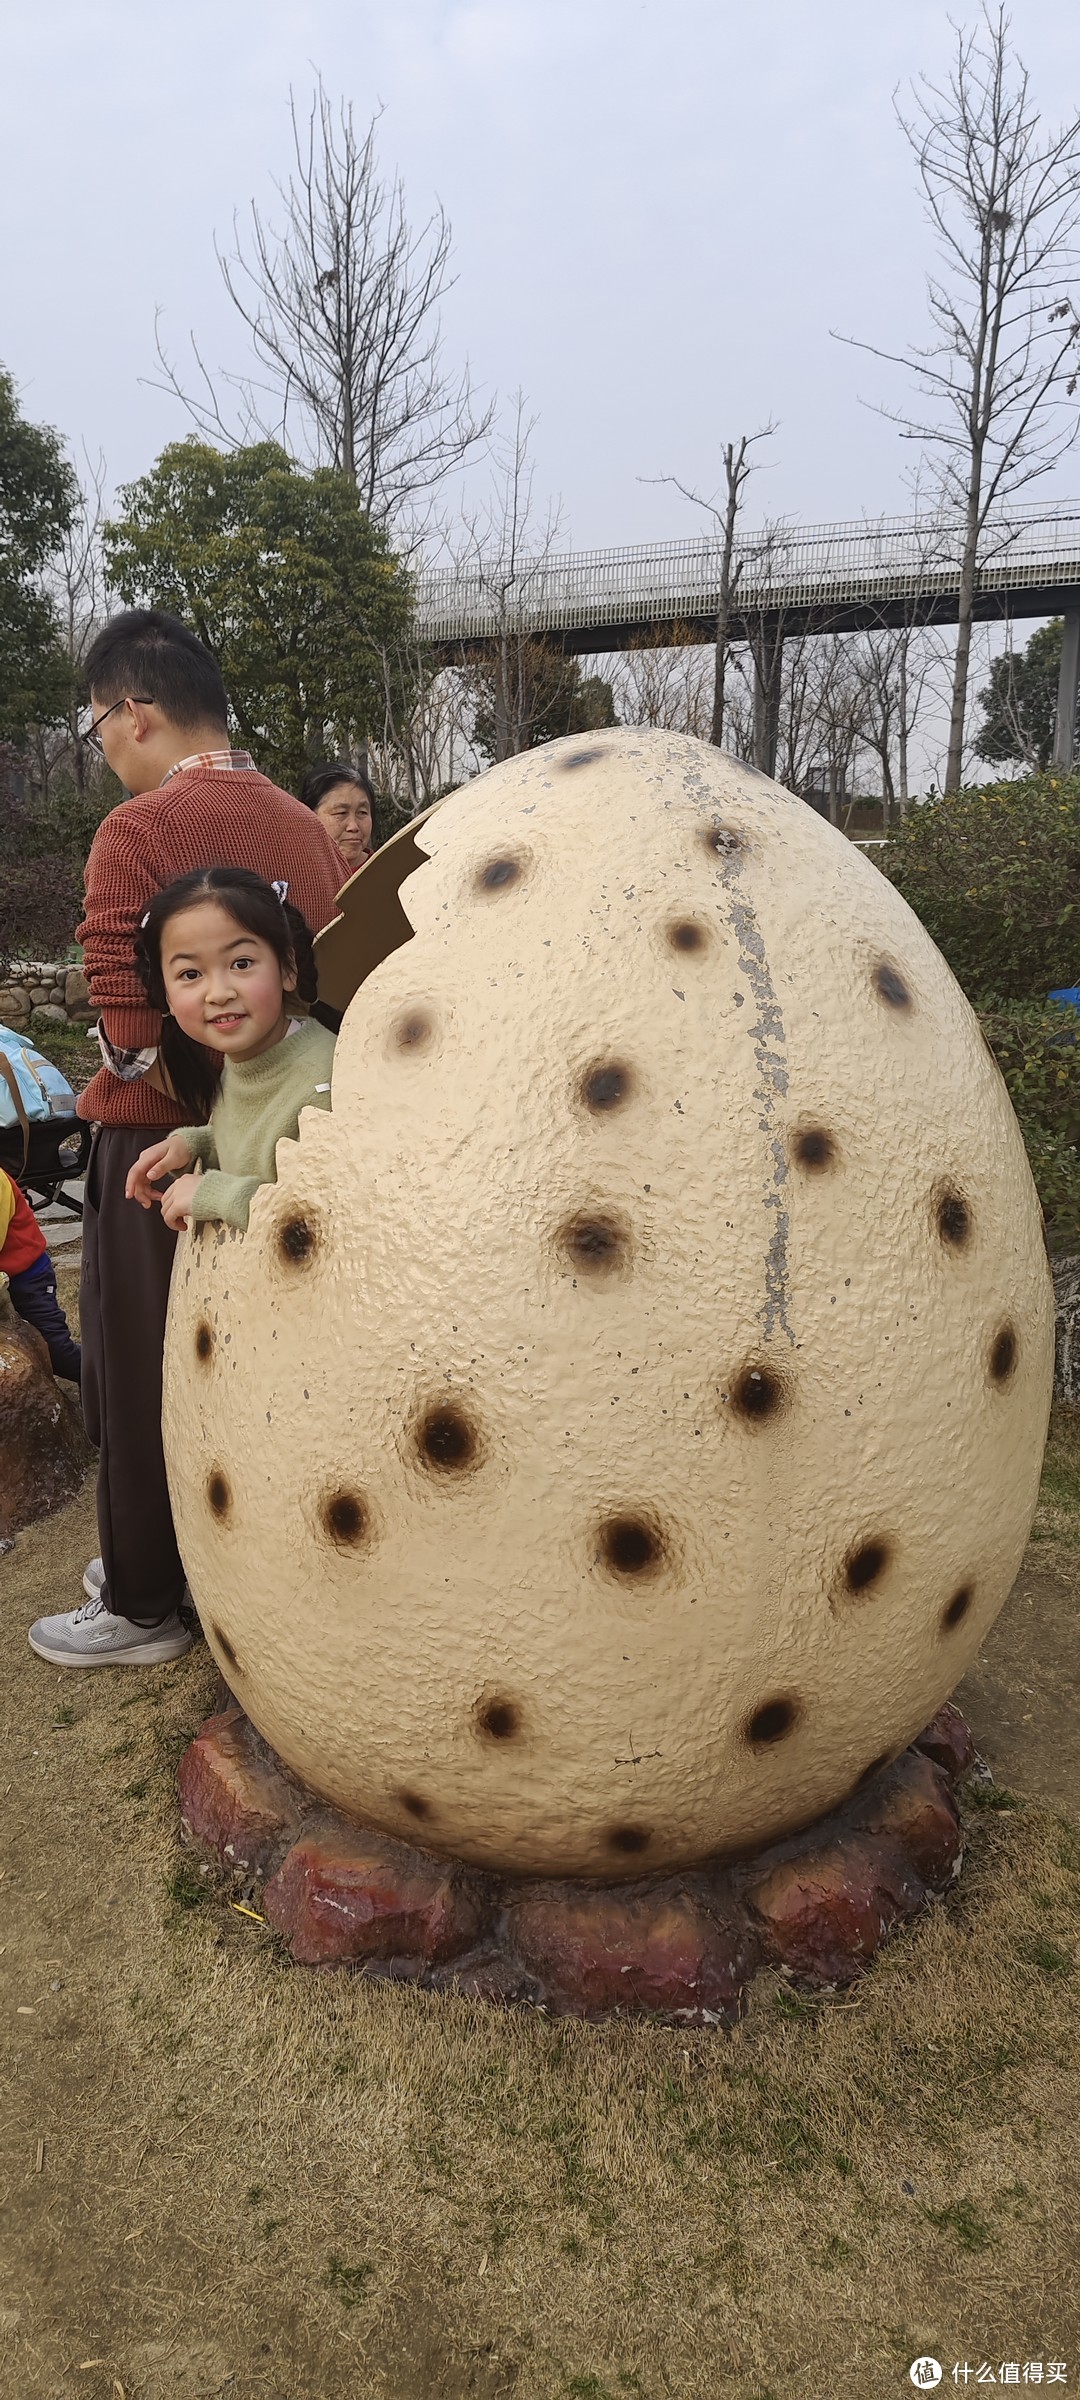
(622, 1421)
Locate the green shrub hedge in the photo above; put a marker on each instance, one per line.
(994, 874)
(1038, 1051)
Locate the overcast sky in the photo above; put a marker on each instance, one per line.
(660, 210)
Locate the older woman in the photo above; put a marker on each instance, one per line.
(344, 800)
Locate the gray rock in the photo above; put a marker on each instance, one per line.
(44, 1019)
(14, 1007)
(77, 1001)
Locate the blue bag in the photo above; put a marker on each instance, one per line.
(31, 1089)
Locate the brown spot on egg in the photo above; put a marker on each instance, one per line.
(297, 1241)
(218, 1493)
(498, 1718)
(687, 935)
(865, 1564)
(499, 874)
(725, 841)
(629, 1840)
(414, 1804)
(630, 1546)
(890, 986)
(580, 758)
(606, 1085)
(447, 1438)
(814, 1149)
(952, 1216)
(1004, 1351)
(772, 1721)
(345, 1519)
(413, 1030)
(757, 1393)
(204, 1341)
(957, 1608)
(222, 1643)
(597, 1243)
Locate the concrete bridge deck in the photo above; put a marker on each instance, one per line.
(856, 577)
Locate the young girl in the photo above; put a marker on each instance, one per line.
(222, 956)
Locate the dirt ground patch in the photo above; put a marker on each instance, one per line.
(267, 2184)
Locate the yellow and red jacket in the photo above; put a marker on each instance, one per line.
(22, 1242)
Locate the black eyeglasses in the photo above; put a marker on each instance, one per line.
(92, 736)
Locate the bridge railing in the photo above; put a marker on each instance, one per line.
(889, 559)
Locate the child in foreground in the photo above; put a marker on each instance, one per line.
(223, 957)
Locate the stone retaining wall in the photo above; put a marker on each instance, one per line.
(38, 995)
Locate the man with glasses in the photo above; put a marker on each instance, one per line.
(159, 715)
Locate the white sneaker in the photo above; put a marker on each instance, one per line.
(92, 1637)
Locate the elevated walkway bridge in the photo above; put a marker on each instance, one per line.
(862, 576)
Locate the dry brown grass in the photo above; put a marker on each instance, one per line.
(1057, 1519)
(263, 2181)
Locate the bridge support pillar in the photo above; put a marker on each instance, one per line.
(768, 653)
(1068, 690)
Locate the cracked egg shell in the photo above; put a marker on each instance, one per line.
(621, 1423)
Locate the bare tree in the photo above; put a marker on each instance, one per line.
(768, 629)
(425, 748)
(836, 709)
(342, 306)
(724, 511)
(740, 706)
(662, 679)
(76, 582)
(1002, 195)
(504, 556)
(799, 740)
(893, 671)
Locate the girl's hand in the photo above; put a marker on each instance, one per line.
(169, 1157)
(176, 1202)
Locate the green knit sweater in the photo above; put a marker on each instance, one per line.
(258, 1106)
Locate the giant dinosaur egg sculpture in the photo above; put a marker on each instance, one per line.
(621, 1423)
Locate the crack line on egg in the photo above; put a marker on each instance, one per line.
(771, 1088)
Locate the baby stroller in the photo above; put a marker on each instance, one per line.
(43, 1144)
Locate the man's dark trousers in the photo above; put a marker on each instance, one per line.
(124, 1293)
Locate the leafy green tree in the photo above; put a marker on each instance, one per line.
(550, 696)
(37, 501)
(285, 578)
(1020, 701)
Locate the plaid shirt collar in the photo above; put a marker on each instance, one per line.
(220, 762)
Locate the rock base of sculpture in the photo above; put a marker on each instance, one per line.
(44, 1453)
(682, 1948)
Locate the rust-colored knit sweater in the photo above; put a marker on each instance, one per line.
(203, 817)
